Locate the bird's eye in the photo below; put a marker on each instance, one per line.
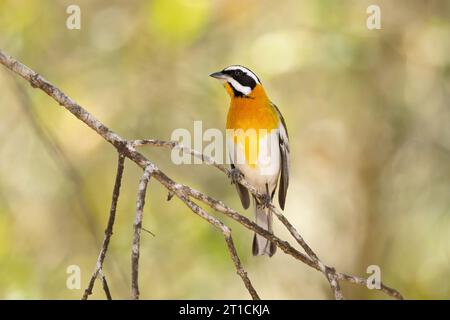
(238, 73)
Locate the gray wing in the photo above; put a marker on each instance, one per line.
(243, 193)
(284, 151)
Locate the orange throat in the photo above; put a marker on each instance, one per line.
(252, 112)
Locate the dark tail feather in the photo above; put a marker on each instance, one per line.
(263, 218)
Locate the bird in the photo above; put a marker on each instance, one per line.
(263, 162)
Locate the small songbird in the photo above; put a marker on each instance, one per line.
(264, 162)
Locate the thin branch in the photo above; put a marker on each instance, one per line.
(173, 145)
(149, 232)
(127, 149)
(239, 268)
(105, 285)
(137, 227)
(363, 282)
(108, 233)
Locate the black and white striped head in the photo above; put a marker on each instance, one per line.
(238, 80)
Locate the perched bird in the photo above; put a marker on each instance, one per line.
(262, 162)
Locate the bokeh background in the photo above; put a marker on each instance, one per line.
(367, 110)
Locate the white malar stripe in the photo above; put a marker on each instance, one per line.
(239, 87)
(245, 70)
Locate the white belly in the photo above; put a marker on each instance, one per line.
(264, 166)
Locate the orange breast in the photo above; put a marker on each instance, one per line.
(255, 113)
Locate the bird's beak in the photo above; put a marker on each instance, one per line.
(218, 75)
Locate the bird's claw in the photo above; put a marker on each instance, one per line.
(235, 175)
(264, 200)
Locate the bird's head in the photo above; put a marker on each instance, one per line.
(240, 82)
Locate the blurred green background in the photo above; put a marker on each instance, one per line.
(367, 110)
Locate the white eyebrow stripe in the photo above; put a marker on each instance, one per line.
(245, 70)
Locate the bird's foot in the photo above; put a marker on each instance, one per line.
(264, 200)
(235, 175)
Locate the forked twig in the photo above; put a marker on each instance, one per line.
(108, 233)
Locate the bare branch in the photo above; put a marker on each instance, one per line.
(178, 146)
(137, 227)
(239, 268)
(363, 282)
(105, 285)
(108, 233)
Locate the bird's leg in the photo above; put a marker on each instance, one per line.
(265, 199)
(235, 175)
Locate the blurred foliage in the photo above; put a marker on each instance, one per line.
(367, 110)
